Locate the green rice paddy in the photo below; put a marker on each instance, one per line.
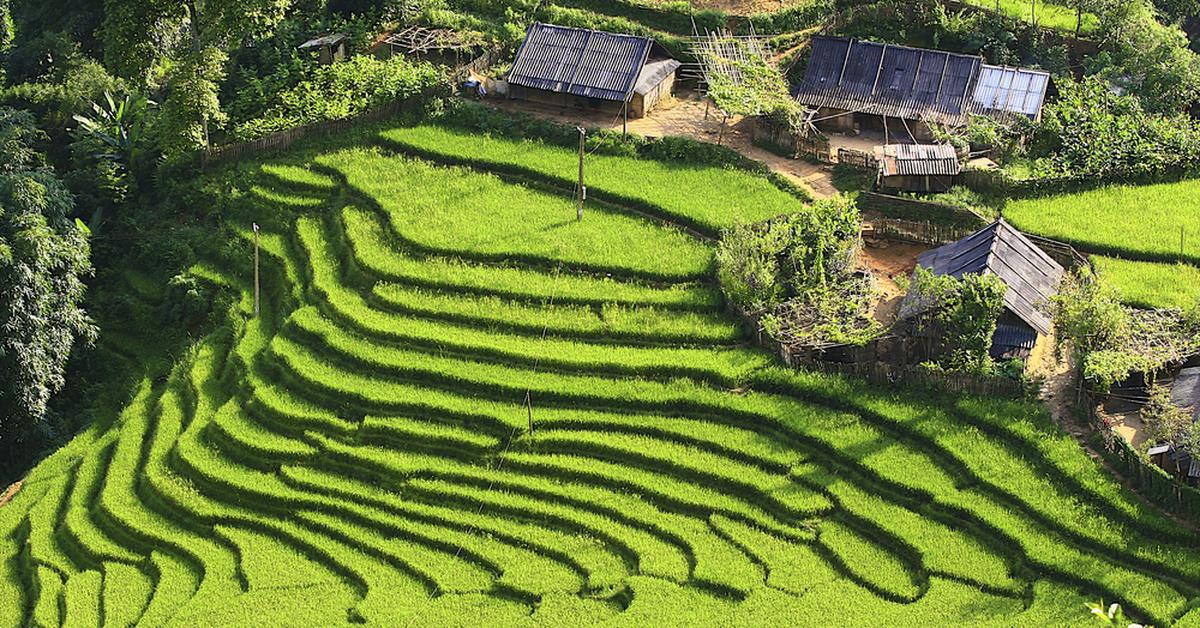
(460, 406)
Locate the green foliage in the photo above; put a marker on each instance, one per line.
(760, 265)
(191, 108)
(1110, 341)
(1165, 421)
(341, 90)
(966, 309)
(1089, 131)
(43, 261)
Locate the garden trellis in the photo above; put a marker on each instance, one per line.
(740, 77)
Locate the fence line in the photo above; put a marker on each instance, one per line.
(1151, 481)
(857, 159)
(902, 208)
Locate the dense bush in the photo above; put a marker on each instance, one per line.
(1165, 421)
(44, 258)
(1089, 131)
(342, 90)
(966, 309)
(762, 264)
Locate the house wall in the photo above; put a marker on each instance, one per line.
(660, 94)
(836, 121)
(518, 92)
(917, 183)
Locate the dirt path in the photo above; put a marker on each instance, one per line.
(10, 492)
(1058, 393)
(685, 117)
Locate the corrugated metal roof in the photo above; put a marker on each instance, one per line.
(999, 249)
(1185, 390)
(323, 40)
(917, 159)
(588, 63)
(914, 83)
(654, 73)
(1010, 90)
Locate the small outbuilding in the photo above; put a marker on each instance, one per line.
(577, 67)
(917, 167)
(1029, 274)
(331, 47)
(851, 83)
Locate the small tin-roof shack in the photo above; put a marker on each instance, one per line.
(917, 167)
(852, 82)
(567, 66)
(331, 47)
(1030, 275)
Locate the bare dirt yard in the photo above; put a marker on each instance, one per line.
(685, 116)
(891, 264)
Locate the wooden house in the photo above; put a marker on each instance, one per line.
(917, 167)
(576, 67)
(1030, 276)
(852, 84)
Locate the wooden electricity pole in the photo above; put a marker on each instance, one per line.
(255, 227)
(582, 188)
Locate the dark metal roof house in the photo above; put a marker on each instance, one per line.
(916, 83)
(1030, 275)
(589, 64)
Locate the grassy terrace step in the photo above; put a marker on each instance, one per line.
(408, 433)
(717, 563)
(572, 321)
(634, 531)
(871, 563)
(1150, 284)
(512, 223)
(1020, 456)
(127, 591)
(374, 250)
(91, 542)
(605, 569)
(44, 517)
(1099, 221)
(942, 549)
(706, 198)
(668, 492)
(261, 445)
(82, 600)
(771, 487)
(790, 565)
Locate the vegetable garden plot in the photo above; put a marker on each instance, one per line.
(362, 450)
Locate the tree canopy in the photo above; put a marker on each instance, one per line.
(44, 257)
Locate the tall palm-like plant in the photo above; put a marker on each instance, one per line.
(118, 125)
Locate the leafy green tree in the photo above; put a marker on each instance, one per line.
(967, 309)
(188, 42)
(43, 261)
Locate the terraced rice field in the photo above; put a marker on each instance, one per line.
(1151, 284)
(1152, 223)
(463, 407)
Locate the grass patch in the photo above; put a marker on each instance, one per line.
(1151, 284)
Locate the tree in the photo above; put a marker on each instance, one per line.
(967, 309)
(43, 261)
(1165, 421)
(188, 40)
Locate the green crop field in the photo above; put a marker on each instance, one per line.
(1047, 14)
(459, 406)
(1155, 223)
(1150, 284)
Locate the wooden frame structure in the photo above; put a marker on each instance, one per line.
(418, 40)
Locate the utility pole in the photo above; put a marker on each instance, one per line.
(582, 188)
(254, 225)
(625, 120)
(529, 409)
